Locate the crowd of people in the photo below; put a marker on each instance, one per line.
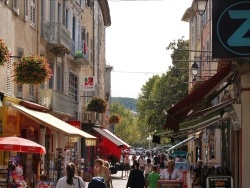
(145, 173)
(73, 179)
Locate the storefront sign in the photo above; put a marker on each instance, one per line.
(220, 182)
(169, 184)
(89, 83)
(233, 41)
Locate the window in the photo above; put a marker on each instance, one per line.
(31, 93)
(16, 6)
(66, 18)
(73, 86)
(59, 13)
(26, 10)
(83, 33)
(51, 82)
(33, 12)
(59, 77)
(19, 90)
(74, 29)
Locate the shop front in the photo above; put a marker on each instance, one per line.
(109, 147)
(61, 140)
(205, 118)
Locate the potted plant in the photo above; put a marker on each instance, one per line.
(114, 118)
(32, 70)
(97, 104)
(4, 53)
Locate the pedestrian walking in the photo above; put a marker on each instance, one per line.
(197, 179)
(153, 177)
(136, 178)
(171, 173)
(100, 170)
(142, 163)
(70, 180)
(148, 169)
(126, 165)
(109, 181)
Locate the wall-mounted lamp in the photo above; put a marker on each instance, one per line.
(194, 69)
(201, 6)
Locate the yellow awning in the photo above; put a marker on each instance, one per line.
(56, 124)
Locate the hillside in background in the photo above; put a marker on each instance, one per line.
(129, 103)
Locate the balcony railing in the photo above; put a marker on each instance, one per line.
(56, 35)
(58, 102)
(79, 50)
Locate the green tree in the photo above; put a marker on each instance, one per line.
(161, 92)
(127, 129)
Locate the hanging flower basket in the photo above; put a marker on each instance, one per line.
(114, 118)
(97, 104)
(4, 53)
(32, 70)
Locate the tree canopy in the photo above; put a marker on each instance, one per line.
(127, 129)
(161, 92)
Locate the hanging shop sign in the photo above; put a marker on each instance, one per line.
(230, 29)
(89, 83)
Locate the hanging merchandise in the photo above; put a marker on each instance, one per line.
(59, 163)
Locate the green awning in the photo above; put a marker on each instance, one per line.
(199, 120)
(193, 126)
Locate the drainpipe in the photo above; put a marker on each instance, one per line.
(38, 39)
(93, 48)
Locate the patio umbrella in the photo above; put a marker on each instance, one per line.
(17, 144)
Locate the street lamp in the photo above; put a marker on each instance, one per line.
(201, 6)
(194, 69)
(149, 139)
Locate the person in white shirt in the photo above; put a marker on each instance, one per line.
(171, 173)
(70, 180)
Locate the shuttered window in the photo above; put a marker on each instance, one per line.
(26, 10)
(33, 13)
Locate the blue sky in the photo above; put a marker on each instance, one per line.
(137, 39)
